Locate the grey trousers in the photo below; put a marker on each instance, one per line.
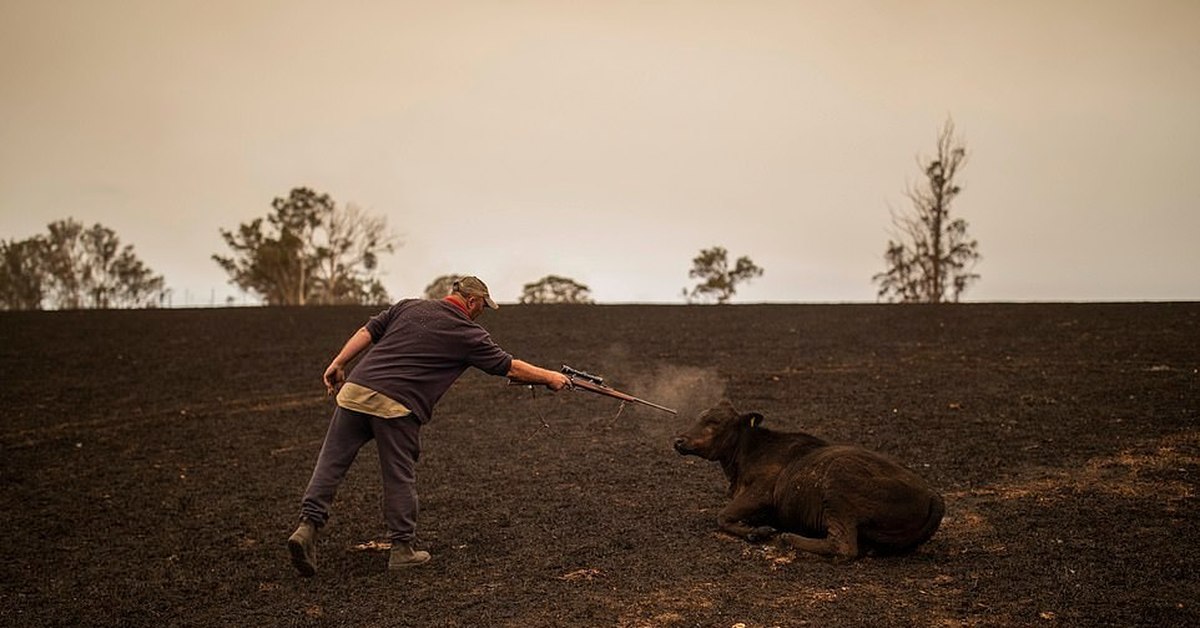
(399, 443)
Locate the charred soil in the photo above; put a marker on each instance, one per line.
(153, 461)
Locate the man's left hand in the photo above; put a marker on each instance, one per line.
(333, 378)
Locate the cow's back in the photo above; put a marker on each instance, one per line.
(892, 507)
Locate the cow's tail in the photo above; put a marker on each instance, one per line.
(937, 509)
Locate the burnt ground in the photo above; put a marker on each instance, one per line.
(153, 461)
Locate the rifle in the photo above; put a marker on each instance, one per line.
(581, 380)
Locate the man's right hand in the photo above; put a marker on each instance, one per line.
(526, 373)
(558, 381)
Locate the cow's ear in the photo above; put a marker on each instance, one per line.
(755, 419)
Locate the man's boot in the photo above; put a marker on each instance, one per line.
(303, 547)
(403, 555)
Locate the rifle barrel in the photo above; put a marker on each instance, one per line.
(612, 392)
(655, 405)
(589, 385)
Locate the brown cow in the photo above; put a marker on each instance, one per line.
(835, 500)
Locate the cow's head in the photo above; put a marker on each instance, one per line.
(714, 436)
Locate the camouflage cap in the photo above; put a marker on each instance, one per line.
(473, 286)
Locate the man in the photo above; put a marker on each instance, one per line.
(418, 348)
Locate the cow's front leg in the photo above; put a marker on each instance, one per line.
(739, 517)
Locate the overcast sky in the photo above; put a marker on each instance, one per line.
(611, 141)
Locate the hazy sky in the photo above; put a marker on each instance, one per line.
(610, 141)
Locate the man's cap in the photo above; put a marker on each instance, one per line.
(473, 286)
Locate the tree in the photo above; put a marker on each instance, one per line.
(441, 287)
(930, 257)
(309, 251)
(66, 263)
(718, 280)
(75, 267)
(113, 276)
(134, 284)
(348, 257)
(88, 267)
(555, 289)
(23, 274)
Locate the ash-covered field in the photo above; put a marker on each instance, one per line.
(153, 461)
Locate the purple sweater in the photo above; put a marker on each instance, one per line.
(419, 348)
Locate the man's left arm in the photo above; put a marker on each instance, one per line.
(335, 373)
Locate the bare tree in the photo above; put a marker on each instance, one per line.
(555, 289)
(348, 245)
(719, 281)
(310, 251)
(440, 288)
(930, 257)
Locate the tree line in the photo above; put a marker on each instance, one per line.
(311, 251)
(71, 267)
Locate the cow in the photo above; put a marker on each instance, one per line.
(837, 501)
